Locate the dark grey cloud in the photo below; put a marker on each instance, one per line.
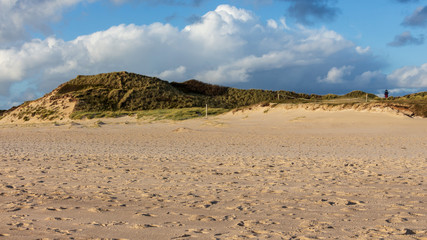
(417, 19)
(405, 39)
(309, 11)
(194, 3)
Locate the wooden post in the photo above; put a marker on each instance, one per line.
(206, 111)
(278, 96)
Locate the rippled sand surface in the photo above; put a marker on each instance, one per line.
(279, 175)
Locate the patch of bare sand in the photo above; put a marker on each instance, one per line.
(276, 174)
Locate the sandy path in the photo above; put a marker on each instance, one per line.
(279, 175)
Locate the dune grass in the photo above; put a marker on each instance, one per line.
(156, 114)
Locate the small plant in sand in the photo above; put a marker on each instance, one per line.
(99, 123)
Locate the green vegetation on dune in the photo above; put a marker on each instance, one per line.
(179, 114)
(358, 94)
(122, 91)
(156, 114)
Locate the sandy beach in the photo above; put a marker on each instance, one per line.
(259, 174)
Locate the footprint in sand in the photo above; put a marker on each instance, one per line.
(53, 209)
(202, 218)
(98, 209)
(142, 226)
(59, 219)
(202, 231)
(145, 214)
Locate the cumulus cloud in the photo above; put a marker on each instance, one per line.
(418, 18)
(336, 75)
(405, 39)
(309, 11)
(228, 46)
(409, 77)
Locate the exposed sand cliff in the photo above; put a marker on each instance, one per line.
(45, 109)
(50, 108)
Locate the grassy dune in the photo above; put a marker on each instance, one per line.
(122, 93)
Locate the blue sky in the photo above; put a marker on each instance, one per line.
(310, 46)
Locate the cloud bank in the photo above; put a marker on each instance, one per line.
(228, 46)
(410, 76)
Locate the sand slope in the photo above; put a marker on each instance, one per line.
(281, 174)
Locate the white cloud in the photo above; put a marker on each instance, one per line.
(173, 74)
(283, 22)
(323, 41)
(271, 23)
(336, 75)
(221, 30)
(361, 50)
(409, 77)
(402, 91)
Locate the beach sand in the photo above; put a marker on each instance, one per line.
(264, 173)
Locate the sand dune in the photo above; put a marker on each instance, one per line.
(265, 173)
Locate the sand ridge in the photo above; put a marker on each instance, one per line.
(277, 174)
